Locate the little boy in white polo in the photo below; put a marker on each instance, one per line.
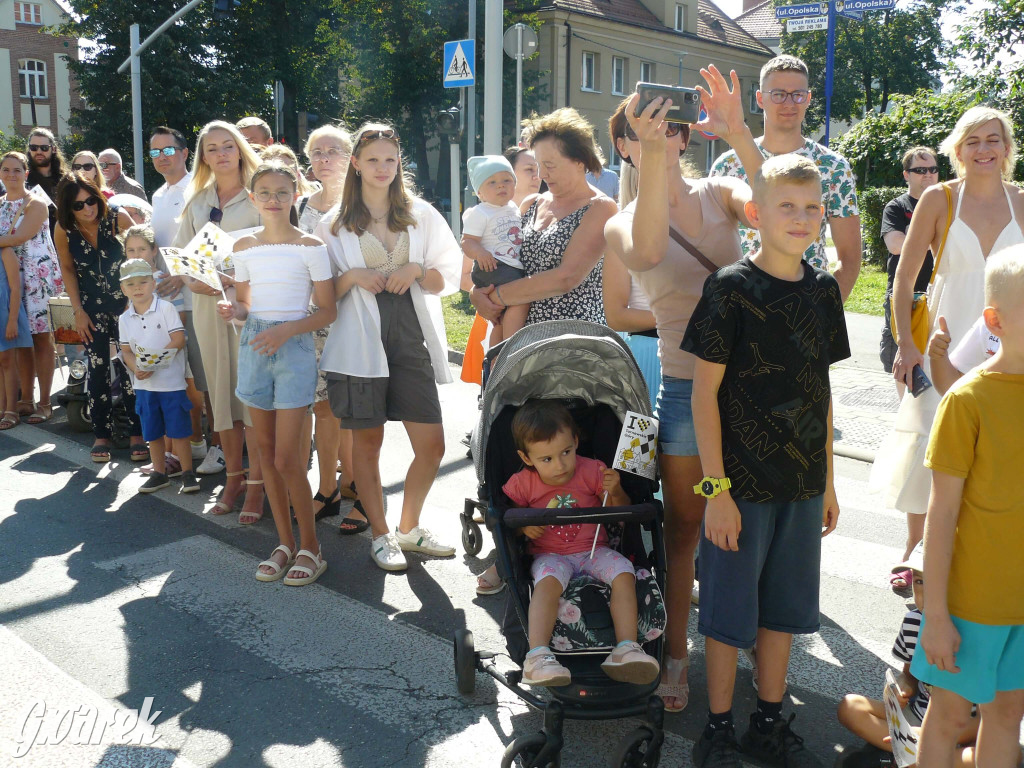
(154, 325)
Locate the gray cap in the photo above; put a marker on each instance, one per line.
(136, 268)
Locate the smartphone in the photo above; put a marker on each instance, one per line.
(919, 380)
(685, 101)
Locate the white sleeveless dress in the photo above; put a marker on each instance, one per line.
(958, 294)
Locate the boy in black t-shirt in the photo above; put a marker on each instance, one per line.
(764, 332)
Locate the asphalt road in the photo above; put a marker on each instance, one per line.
(108, 598)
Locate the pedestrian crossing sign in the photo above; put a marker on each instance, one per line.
(459, 69)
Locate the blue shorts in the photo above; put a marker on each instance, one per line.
(991, 659)
(163, 414)
(285, 379)
(771, 582)
(676, 436)
(645, 352)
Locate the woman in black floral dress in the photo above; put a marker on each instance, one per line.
(563, 238)
(90, 259)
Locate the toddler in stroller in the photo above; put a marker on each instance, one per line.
(555, 477)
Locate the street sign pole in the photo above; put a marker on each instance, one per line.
(470, 111)
(519, 77)
(830, 59)
(492, 76)
(133, 39)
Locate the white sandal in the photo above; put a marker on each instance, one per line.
(279, 570)
(672, 670)
(312, 574)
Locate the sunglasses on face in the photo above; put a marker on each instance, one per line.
(38, 147)
(924, 170)
(166, 152)
(671, 129)
(778, 96)
(104, 164)
(80, 204)
(83, 166)
(216, 215)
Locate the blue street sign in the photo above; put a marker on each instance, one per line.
(801, 10)
(855, 15)
(864, 5)
(459, 69)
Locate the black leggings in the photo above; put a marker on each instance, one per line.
(100, 392)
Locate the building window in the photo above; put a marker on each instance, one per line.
(28, 13)
(614, 161)
(32, 78)
(755, 109)
(646, 72)
(680, 17)
(588, 81)
(618, 76)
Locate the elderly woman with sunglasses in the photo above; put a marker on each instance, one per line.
(90, 259)
(671, 237)
(222, 165)
(86, 163)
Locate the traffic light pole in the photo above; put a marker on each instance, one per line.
(830, 61)
(135, 63)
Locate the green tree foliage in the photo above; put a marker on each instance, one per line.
(886, 53)
(875, 146)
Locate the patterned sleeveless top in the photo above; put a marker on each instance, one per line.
(543, 250)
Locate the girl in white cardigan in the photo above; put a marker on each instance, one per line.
(396, 255)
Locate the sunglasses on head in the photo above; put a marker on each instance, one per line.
(388, 133)
(78, 205)
(924, 170)
(166, 152)
(38, 147)
(671, 129)
(83, 166)
(216, 215)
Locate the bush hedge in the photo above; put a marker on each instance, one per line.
(872, 202)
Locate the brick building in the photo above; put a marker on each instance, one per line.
(36, 86)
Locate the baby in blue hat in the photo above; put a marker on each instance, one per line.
(492, 236)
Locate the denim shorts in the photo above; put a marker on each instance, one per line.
(771, 582)
(283, 380)
(990, 657)
(676, 436)
(164, 414)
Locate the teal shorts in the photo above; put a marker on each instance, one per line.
(991, 659)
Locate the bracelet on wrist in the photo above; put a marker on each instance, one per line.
(423, 273)
(497, 292)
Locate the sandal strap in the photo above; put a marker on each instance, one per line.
(272, 564)
(254, 482)
(315, 558)
(305, 569)
(287, 552)
(235, 474)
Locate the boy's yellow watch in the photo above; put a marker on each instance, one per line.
(710, 487)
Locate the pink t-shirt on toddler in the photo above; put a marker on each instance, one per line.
(585, 489)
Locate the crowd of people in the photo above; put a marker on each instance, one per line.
(329, 326)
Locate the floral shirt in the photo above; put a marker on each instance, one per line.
(838, 194)
(98, 267)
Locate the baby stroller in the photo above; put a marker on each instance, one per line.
(590, 370)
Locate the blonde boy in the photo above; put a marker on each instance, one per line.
(973, 633)
(764, 332)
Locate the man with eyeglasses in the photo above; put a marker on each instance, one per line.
(784, 96)
(920, 171)
(110, 166)
(46, 166)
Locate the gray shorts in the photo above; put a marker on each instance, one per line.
(194, 359)
(771, 582)
(408, 393)
(503, 274)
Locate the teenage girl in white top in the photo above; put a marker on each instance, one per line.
(276, 270)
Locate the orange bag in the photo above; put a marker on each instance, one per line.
(473, 360)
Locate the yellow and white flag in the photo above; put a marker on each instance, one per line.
(189, 264)
(153, 359)
(902, 735)
(213, 243)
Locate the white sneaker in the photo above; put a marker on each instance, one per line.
(542, 669)
(198, 450)
(213, 463)
(387, 554)
(419, 539)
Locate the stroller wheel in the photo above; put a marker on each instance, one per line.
(465, 662)
(640, 749)
(529, 750)
(472, 540)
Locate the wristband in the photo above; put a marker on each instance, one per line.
(423, 273)
(497, 292)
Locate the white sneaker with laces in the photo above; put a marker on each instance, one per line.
(542, 668)
(198, 450)
(419, 539)
(213, 463)
(387, 554)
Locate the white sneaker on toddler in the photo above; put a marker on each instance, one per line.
(628, 663)
(542, 669)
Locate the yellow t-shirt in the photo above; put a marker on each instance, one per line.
(977, 435)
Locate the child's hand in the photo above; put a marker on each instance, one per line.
(533, 531)
(487, 262)
(143, 375)
(226, 310)
(940, 642)
(612, 484)
(269, 341)
(368, 279)
(938, 344)
(400, 280)
(830, 511)
(12, 328)
(722, 522)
